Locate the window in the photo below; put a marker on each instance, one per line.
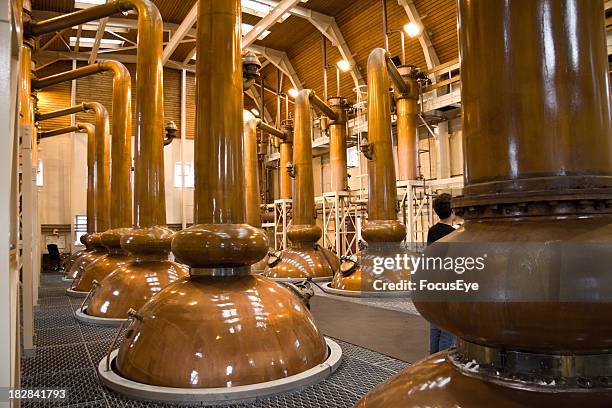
(352, 157)
(80, 227)
(39, 173)
(186, 171)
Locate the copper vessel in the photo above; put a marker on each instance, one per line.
(304, 258)
(221, 327)
(148, 242)
(382, 231)
(538, 165)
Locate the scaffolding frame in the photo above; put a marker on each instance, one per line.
(282, 219)
(340, 229)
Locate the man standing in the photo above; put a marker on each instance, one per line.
(439, 339)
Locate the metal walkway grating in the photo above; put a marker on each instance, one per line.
(68, 352)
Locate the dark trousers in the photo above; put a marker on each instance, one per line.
(439, 340)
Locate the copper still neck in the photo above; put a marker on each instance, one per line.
(535, 123)
(251, 181)
(407, 139)
(303, 228)
(337, 144)
(220, 244)
(382, 225)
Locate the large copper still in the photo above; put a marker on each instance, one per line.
(382, 231)
(98, 174)
(305, 258)
(222, 327)
(538, 173)
(120, 187)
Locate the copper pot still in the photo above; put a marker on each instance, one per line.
(221, 327)
(382, 231)
(538, 165)
(304, 258)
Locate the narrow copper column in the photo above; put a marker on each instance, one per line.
(304, 258)
(251, 168)
(538, 167)
(337, 144)
(222, 327)
(382, 231)
(98, 188)
(406, 109)
(286, 155)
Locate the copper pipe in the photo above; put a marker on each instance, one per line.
(101, 158)
(149, 195)
(322, 106)
(121, 206)
(272, 130)
(251, 184)
(57, 132)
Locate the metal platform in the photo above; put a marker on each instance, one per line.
(68, 352)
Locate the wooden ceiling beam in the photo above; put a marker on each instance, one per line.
(268, 21)
(182, 30)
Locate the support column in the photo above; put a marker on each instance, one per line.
(443, 159)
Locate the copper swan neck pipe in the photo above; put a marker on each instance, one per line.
(101, 166)
(121, 189)
(149, 195)
(382, 215)
(91, 160)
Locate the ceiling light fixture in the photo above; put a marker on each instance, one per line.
(343, 65)
(293, 92)
(89, 42)
(413, 29)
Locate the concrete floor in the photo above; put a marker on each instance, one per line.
(400, 335)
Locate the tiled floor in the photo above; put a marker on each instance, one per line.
(68, 352)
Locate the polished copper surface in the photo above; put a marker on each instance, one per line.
(362, 277)
(406, 110)
(536, 113)
(381, 183)
(206, 332)
(97, 251)
(543, 123)
(286, 182)
(131, 285)
(434, 382)
(337, 147)
(235, 328)
(304, 262)
(503, 317)
(251, 180)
